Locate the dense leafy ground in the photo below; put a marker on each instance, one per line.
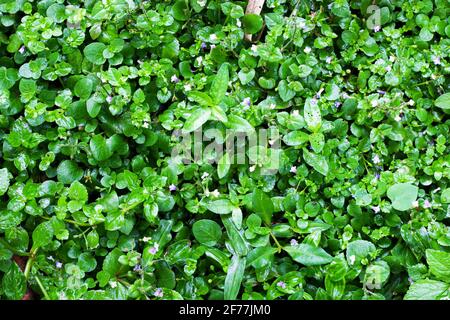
(94, 206)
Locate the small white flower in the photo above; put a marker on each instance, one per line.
(392, 58)
(376, 28)
(328, 60)
(352, 259)
(213, 37)
(252, 168)
(205, 175)
(376, 159)
(374, 103)
(246, 102)
(172, 187)
(58, 265)
(187, 87)
(427, 204)
(254, 48)
(22, 49)
(376, 209)
(113, 284)
(272, 106)
(295, 113)
(411, 102)
(271, 142)
(281, 284)
(293, 242)
(212, 46)
(174, 79)
(199, 60)
(293, 169)
(145, 125)
(238, 23)
(398, 118)
(415, 204)
(109, 99)
(388, 68)
(146, 239)
(215, 193)
(307, 50)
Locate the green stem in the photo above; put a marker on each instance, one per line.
(44, 292)
(276, 242)
(30, 262)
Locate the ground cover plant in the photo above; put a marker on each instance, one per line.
(350, 202)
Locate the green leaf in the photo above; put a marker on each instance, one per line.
(234, 277)
(223, 166)
(285, 92)
(114, 220)
(221, 206)
(318, 162)
(94, 53)
(358, 250)
(295, 138)
(218, 113)
(196, 119)
(42, 234)
(439, 262)
(428, 290)
(201, 98)
(312, 115)
(219, 85)
(443, 101)
(180, 10)
(445, 196)
(252, 23)
(4, 181)
(13, 283)
(263, 206)
(207, 232)
(308, 255)
(237, 239)
(83, 88)
(402, 196)
(68, 172)
(99, 148)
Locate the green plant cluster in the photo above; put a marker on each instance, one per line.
(93, 206)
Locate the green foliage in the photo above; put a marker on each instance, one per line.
(91, 93)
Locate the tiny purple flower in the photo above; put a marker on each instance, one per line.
(158, 293)
(58, 265)
(137, 268)
(377, 28)
(426, 204)
(154, 249)
(22, 49)
(437, 60)
(108, 99)
(203, 45)
(293, 242)
(382, 92)
(247, 102)
(174, 79)
(172, 187)
(281, 284)
(293, 169)
(337, 104)
(377, 176)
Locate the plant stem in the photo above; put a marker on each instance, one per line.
(30, 262)
(44, 292)
(276, 242)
